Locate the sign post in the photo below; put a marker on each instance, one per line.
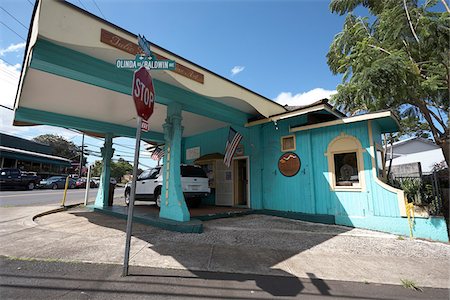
(143, 95)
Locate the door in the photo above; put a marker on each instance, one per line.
(224, 184)
(142, 182)
(240, 182)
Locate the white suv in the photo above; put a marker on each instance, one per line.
(194, 183)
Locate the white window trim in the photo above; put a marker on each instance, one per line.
(288, 149)
(378, 147)
(332, 150)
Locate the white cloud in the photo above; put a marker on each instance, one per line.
(12, 48)
(303, 99)
(237, 70)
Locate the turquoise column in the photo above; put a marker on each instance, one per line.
(103, 190)
(173, 205)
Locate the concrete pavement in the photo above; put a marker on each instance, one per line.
(25, 279)
(256, 245)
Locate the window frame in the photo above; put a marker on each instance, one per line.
(380, 148)
(337, 147)
(282, 144)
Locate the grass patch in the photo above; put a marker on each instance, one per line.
(400, 238)
(409, 284)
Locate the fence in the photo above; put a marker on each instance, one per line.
(430, 190)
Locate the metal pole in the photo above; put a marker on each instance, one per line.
(88, 186)
(81, 157)
(63, 202)
(132, 196)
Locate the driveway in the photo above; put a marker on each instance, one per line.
(253, 244)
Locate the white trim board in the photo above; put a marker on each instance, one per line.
(365, 117)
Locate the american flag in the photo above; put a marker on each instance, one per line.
(157, 154)
(233, 141)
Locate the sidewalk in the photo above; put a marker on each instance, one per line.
(254, 244)
(56, 280)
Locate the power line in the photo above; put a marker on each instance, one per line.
(82, 5)
(30, 2)
(6, 107)
(14, 18)
(12, 30)
(99, 9)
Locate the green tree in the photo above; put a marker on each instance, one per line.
(60, 146)
(397, 58)
(118, 169)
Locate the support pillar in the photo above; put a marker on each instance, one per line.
(173, 205)
(103, 190)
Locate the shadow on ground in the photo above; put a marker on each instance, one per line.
(236, 247)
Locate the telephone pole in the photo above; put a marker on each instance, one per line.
(81, 157)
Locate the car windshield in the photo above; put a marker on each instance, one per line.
(192, 171)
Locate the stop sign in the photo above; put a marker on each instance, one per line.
(143, 93)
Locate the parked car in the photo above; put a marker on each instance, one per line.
(96, 180)
(14, 178)
(57, 182)
(194, 183)
(81, 183)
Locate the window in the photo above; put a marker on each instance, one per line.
(145, 175)
(346, 169)
(381, 171)
(288, 143)
(345, 164)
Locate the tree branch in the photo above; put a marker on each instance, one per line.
(446, 5)
(409, 21)
(426, 114)
(381, 49)
(437, 119)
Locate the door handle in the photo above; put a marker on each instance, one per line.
(155, 181)
(143, 182)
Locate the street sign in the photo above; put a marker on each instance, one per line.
(145, 126)
(150, 62)
(143, 93)
(144, 44)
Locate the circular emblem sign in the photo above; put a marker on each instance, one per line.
(289, 164)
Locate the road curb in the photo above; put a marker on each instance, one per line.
(55, 210)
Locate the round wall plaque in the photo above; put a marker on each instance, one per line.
(289, 164)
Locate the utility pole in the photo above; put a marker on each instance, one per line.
(81, 157)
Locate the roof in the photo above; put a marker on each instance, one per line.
(30, 155)
(387, 119)
(24, 144)
(293, 111)
(79, 68)
(413, 138)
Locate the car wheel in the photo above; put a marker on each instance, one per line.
(72, 186)
(54, 186)
(158, 198)
(127, 196)
(194, 202)
(31, 186)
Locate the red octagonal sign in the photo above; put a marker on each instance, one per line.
(143, 93)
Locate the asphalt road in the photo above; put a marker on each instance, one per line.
(46, 197)
(31, 279)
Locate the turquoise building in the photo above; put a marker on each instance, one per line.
(311, 163)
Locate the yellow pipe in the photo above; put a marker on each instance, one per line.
(65, 191)
(410, 215)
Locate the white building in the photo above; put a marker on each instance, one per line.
(413, 150)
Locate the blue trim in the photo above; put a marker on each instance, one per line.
(47, 118)
(61, 61)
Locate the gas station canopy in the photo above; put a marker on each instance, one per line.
(69, 78)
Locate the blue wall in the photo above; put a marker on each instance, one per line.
(309, 190)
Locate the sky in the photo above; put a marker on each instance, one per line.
(275, 48)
